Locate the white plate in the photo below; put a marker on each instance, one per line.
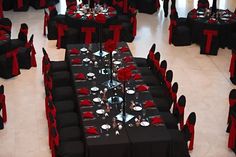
(90, 74)
(97, 100)
(201, 16)
(130, 91)
(86, 60)
(117, 62)
(225, 18)
(105, 126)
(100, 111)
(144, 123)
(94, 89)
(137, 108)
(83, 49)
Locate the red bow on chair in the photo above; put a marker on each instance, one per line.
(61, 28)
(88, 34)
(173, 24)
(232, 65)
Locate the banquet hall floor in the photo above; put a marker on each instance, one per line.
(204, 80)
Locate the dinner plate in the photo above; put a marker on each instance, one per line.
(144, 123)
(83, 50)
(97, 100)
(105, 126)
(137, 108)
(86, 60)
(117, 62)
(200, 12)
(201, 16)
(130, 91)
(94, 89)
(100, 111)
(224, 18)
(90, 74)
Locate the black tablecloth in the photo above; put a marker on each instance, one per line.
(133, 141)
(224, 24)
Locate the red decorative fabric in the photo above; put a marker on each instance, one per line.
(83, 91)
(100, 18)
(133, 21)
(167, 83)
(3, 35)
(45, 24)
(156, 120)
(88, 34)
(125, 6)
(136, 76)
(110, 45)
(210, 34)
(173, 96)
(128, 59)
(191, 130)
(76, 61)
(158, 3)
(45, 64)
(15, 66)
(24, 31)
(148, 104)
(74, 51)
(116, 32)
(232, 133)
(142, 88)
(20, 4)
(1, 9)
(131, 67)
(92, 130)
(80, 76)
(232, 65)
(86, 102)
(51, 8)
(124, 74)
(4, 110)
(88, 115)
(181, 115)
(7, 28)
(173, 24)
(203, 5)
(232, 103)
(42, 3)
(124, 49)
(30, 45)
(61, 28)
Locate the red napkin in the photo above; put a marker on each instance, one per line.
(3, 37)
(211, 21)
(85, 102)
(194, 10)
(149, 103)
(92, 130)
(131, 67)
(142, 88)
(80, 76)
(74, 51)
(78, 16)
(156, 120)
(83, 91)
(136, 76)
(90, 17)
(128, 59)
(194, 16)
(73, 8)
(88, 115)
(124, 49)
(70, 12)
(76, 61)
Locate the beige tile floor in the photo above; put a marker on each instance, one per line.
(204, 80)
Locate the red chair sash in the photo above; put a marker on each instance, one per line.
(20, 4)
(88, 34)
(232, 65)
(116, 29)
(173, 24)
(191, 130)
(1, 9)
(61, 28)
(30, 45)
(133, 21)
(203, 5)
(45, 24)
(158, 3)
(42, 3)
(45, 64)
(4, 110)
(51, 8)
(209, 34)
(15, 66)
(181, 115)
(24, 31)
(232, 133)
(125, 6)
(8, 28)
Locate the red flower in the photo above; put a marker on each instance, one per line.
(110, 45)
(124, 74)
(100, 18)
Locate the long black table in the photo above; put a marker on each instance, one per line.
(133, 140)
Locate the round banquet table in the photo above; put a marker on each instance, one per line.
(223, 21)
(4, 41)
(82, 15)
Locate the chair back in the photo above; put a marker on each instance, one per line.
(23, 33)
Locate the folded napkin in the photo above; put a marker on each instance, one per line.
(128, 59)
(136, 76)
(74, 51)
(70, 12)
(141, 88)
(78, 16)
(88, 115)
(73, 8)
(83, 91)
(86, 102)
(76, 61)
(149, 103)
(90, 17)
(194, 10)
(80, 76)
(211, 21)
(132, 67)
(156, 120)
(124, 49)
(194, 16)
(92, 130)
